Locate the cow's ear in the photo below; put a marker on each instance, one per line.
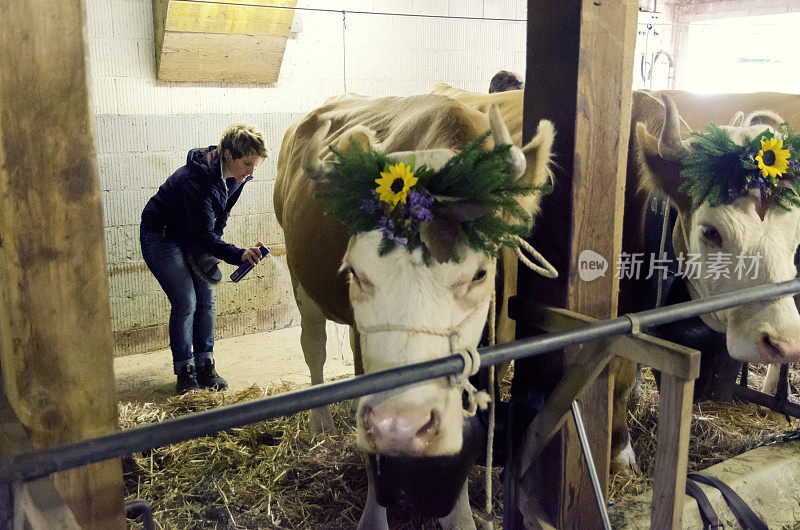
(657, 173)
(765, 117)
(539, 155)
(538, 160)
(360, 136)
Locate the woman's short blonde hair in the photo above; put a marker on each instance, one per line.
(243, 140)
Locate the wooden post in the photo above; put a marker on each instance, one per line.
(55, 330)
(672, 451)
(579, 74)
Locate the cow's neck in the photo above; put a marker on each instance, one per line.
(680, 239)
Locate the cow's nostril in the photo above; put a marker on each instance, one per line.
(779, 350)
(431, 426)
(366, 412)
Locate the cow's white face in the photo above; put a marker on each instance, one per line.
(763, 332)
(399, 304)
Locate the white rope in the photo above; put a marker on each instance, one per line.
(489, 522)
(476, 399)
(546, 270)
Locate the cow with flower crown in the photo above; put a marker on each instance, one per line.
(396, 212)
(736, 190)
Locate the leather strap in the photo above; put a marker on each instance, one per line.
(707, 514)
(746, 517)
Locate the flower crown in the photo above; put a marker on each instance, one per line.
(423, 208)
(720, 171)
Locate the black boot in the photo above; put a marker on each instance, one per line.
(208, 377)
(187, 380)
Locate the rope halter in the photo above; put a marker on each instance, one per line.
(472, 360)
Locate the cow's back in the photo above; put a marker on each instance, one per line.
(315, 243)
(698, 110)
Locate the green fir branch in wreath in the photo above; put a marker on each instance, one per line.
(719, 171)
(432, 210)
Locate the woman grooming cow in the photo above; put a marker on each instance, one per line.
(181, 240)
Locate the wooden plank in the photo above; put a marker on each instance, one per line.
(582, 81)
(551, 418)
(250, 19)
(221, 58)
(657, 353)
(159, 22)
(37, 504)
(55, 328)
(672, 452)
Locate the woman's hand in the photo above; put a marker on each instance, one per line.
(253, 254)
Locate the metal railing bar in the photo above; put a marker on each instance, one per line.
(766, 400)
(587, 454)
(27, 466)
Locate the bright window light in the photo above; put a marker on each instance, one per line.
(749, 54)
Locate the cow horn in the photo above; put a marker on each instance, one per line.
(670, 146)
(314, 168)
(515, 159)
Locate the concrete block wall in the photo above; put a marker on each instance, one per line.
(143, 127)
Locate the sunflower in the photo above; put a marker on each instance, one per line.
(394, 184)
(772, 159)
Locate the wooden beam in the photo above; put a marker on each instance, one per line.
(231, 42)
(579, 74)
(249, 19)
(55, 326)
(159, 22)
(659, 354)
(672, 452)
(670, 358)
(221, 58)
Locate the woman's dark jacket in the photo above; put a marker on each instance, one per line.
(192, 207)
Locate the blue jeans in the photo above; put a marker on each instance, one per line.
(193, 314)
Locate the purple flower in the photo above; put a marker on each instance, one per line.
(419, 204)
(398, 240)
(370, 204)
(386, 223)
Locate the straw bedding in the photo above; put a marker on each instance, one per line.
(275, 474)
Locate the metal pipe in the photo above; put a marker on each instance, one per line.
(587, 454)
(765, 400)
(28, 466)
(140, 508)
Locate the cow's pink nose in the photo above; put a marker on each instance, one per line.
(776, 350)
(411, 432)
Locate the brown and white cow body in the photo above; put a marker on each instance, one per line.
(399, 309)
(760, 333)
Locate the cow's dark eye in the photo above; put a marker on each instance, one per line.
(711, 236)
(480, 275)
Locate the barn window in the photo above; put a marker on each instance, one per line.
(745, 54)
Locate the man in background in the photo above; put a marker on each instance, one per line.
(504, 81)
